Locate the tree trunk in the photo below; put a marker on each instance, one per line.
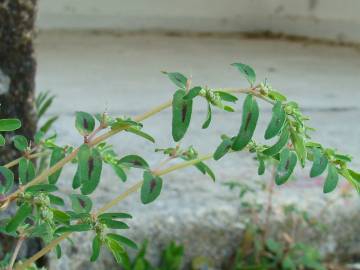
(17, 67)
(17, 83)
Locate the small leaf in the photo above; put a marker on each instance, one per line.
(122, 240)
(90, 167)
(20, 142)
(58, 251)
(150, 188)
(134, 161)
(276, 148)
(320, 163)
(193, 92)
(6, 180)
(114, 215)
(208, 118)
(288, 160)
(275, 95)
(116, 249)
(26, 171)
(119, 171)
(96, 245)
(114, 224)
(332, 179)
(247, 71)
(299, 146)
(84, 123)
(56, 200)
(48, 124)
(41, 188)
(205, 169)
(277, 121)
(223, 149)
(2, 140)
(74, 228)
(9, 124)
(181, 115)
(57, 154)
(177, 78)
(249, 120)
(60, 216)
(261, 168)
(225, 96)
(76, 183)
(80, 203)
(22, 213)
(141, 134)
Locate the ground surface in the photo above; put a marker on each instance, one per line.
(121, 74)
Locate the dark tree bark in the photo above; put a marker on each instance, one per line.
(17, 67)
(17, 83)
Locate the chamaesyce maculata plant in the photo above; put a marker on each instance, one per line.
(40, 213)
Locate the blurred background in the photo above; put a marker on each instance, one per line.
(107, 55)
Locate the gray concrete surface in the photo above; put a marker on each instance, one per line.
(120, 74)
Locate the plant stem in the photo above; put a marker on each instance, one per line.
(109, 205)
(16, 252)
(32, 156)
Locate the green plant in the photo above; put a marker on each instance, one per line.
(42, 213)
(171, 259)
(260, 247)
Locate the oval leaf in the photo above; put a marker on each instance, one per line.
(288, 160)
(277, 121)
(223, 149)
(80, 203)
(20, 142)
(84, 123)
(6, 179)
(177, 78)
(9, 124)
(134, 161)
(249, 120)
(320, 163)
(122, 240)
(332, 179)
(276, 148)
(181, 115)
(96, 245)
(150, 188)
(247, 71)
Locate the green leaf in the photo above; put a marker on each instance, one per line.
(74, 228)
(261, 168)
(57, 154)
(141, 134)
(177, 78)
(249, 120)
(332, 179)
(114, 224)
(247, 71)
(208, 118)
(225, 96)
(288, 160)
(6, 180)
(201, 166)
(276, 148)
(193, 92)
(56, 200)
(116, 249)
(122, 240)
(26, 170)
(90, 166)
(20, 142)
(2, 140)
(41, 188)
(80, 203)
(277, 121)
(22, 213)
(223, 149)
(44, 106)
(9, 124)
(58, 251)
(320, 163)
(48, 124)
(76, 183)
(60, 216)
(181, 115)
(119, 171)
(96, 245)
(84, 123)
(134, 161)
(150, 188)
(275, 95)
(114, 215)
(299, 146)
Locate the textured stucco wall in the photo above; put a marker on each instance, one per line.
(330, 19)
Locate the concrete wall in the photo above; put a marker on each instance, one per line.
(330, 19)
